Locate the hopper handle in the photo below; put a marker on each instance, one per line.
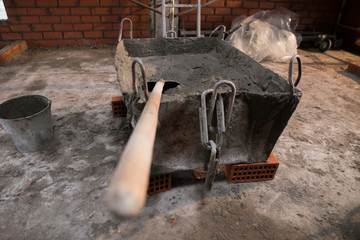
(121, 28)
(291, 64)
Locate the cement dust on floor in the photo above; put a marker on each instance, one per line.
(59, 193)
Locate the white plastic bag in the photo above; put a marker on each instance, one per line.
(267, 35)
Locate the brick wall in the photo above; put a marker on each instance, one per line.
(319, 15)
(45, 23)
(48, 23)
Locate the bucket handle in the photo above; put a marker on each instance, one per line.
(144, 87)
(121, 28)
(291, 64)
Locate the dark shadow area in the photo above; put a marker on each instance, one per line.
(350, 75)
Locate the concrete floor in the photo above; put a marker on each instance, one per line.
(59, 193)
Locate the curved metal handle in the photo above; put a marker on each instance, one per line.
(173, 32)
(121, 27)
(217, 28)
(291, 64)
(144, 87)
(231, 100)
(203, 120)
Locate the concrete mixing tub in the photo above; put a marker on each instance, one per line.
(263, 105)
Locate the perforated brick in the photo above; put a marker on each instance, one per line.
(159, 183)
(254, 172)
(118, 107)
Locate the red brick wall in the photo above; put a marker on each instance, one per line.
(46, 23)
(319, 15)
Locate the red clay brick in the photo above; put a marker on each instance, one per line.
(89, 3)
(24, 3)
(32, 44)
(100, 11)
(106, 41)
(86, 42)
(84, 26)
(33, 35)
(144, 18)
(49, 19)
(46, 3)
(111, 3)
(4, 30)
(102, 26)
(112, 18)
(59, 11)
(207, 25)
(222, 11)
(297, 6)
(67, 42)
(53, 35)
(118, 106)
(11, 50)
(145, 33)
(217, 4)
(307, 20)
(229, 19)
(233, 4)
(20, 28)
(248, 4)
(159, 183)
(70, 19)
(266, 5)
(73, 35)
(63, 27)
(41, 27)
(90, 19)
(68, 3)
(80, 11)
(207, 11)
(121, 10)
(252, 172)
(283, 4)
(239, 12)
(93, 34)
(47, 43)
(112, 34)
(214, 18)
(37, 11)
(15, 11)
(13, 20)
(354, 67)
(26, 19)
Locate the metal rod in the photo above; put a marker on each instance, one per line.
(180, 5)
(163, 9)
(121, 28)
(349, 27)
(198, 20)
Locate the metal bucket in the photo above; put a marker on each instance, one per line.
(27, 119)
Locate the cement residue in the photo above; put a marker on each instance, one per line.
(196, 64)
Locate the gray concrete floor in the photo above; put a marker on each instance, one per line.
(59, 193)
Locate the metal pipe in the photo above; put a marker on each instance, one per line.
(163, 9)
(198, 20)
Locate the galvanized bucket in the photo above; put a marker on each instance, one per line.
(27, 119)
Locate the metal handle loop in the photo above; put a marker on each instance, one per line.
(173, 32)
(121, 28)
(217, 28)
(231, 100)
(291, 64)
(203, 120)
(144, 87)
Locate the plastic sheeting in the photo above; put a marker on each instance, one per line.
(267, 35)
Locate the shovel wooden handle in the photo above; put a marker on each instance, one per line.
(128, 189)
